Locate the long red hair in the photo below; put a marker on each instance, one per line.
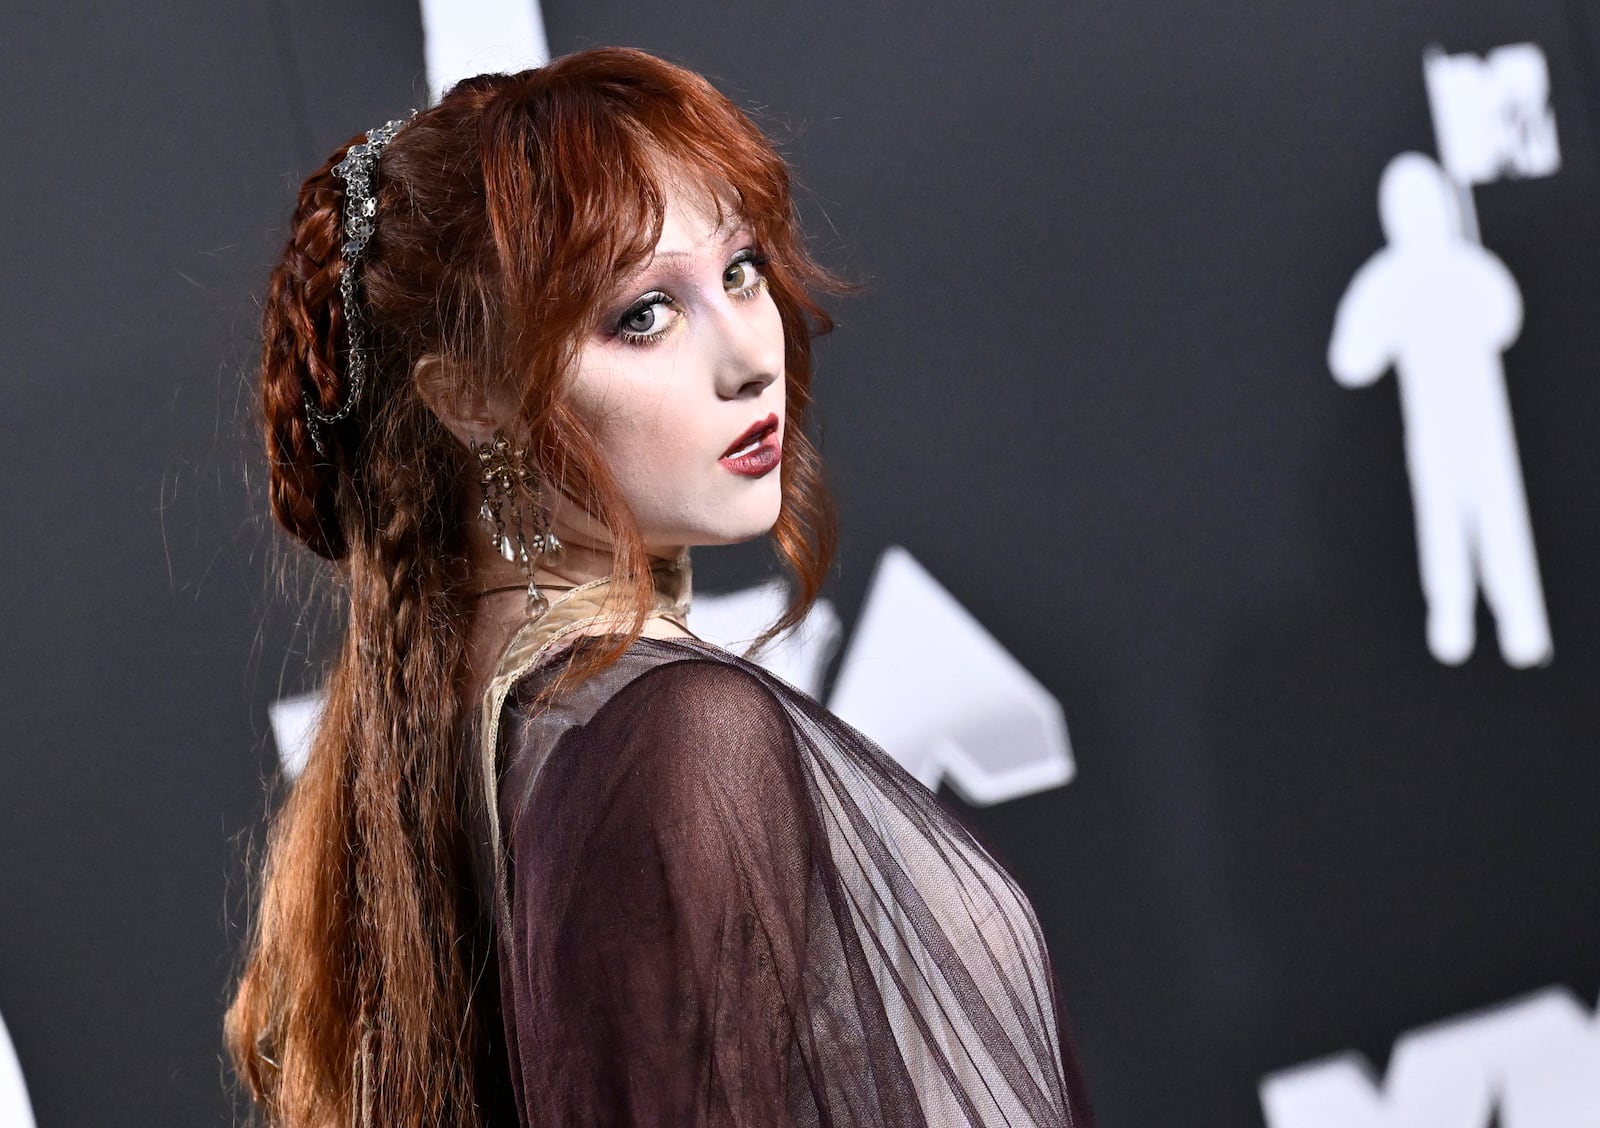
(505, 214)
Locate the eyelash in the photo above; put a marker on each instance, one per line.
(757, 260)
(657, 297)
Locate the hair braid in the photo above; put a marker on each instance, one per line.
(302, 323)
(384, 806)
(411, 785)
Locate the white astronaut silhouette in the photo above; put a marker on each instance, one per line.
(1440, 309)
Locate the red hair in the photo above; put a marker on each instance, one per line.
(505, 215)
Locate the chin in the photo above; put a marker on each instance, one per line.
(761, 523)
(733, 535)
(722, 520)
(734, 528)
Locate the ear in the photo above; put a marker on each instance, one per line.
(461, 404)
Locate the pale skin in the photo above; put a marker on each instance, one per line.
(688, 356)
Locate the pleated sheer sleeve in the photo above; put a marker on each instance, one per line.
(726, 907)
(659, 901)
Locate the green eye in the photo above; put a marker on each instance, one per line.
(743, 276)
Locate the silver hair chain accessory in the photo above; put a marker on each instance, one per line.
(504, 475)
(360, 211)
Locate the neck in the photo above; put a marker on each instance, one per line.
(503, 605)
(575, 566)
(583, 559)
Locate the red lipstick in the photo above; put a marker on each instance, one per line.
(757, 452)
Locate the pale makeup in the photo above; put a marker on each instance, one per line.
(687, 360)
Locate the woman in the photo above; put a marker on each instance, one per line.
(552, 860)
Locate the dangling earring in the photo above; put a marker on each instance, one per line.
(505, 479)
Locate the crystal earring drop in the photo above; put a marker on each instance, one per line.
(504, 478)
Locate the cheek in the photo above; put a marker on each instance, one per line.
(649, 456)
(649, 440)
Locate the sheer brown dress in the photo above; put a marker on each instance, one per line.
(718, 904)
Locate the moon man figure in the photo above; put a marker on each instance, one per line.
(1440, 309)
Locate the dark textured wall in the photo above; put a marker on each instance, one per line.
(1085, 384)
(151, 157)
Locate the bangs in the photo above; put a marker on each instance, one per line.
(650, 168)
(587, 203)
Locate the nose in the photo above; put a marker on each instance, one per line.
(749, 348)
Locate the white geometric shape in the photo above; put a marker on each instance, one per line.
(974, 717)
(16, 1110)
(294, 726)
(923, 679)
(1492, 116)
(730, 621)
(1535, 1060)
(462, 38)
(733, 620)
(1439, 310)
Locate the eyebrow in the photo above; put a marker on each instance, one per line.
(728, 231)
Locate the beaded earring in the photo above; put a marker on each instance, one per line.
(505, 479)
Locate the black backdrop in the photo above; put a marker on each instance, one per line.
(1085, 384)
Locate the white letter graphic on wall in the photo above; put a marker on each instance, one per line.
(1535, 1062)
(294, 726)
(16, 1111)
(461, 38)
(734, 620)
(924, 679)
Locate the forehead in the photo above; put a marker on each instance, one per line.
(696, 213)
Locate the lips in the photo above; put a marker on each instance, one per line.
(757, 452)
(752, 437)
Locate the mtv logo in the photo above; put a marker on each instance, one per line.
(925, 680)
(1534, 1062)
(921, 677)
(462, 39)
(1492, 115)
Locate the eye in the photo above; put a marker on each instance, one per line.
(647, 319)
(743, 278)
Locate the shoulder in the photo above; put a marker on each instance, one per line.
(658, 700)
(685, 748)
(695, 713)
(697, 686)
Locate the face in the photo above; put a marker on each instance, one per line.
(683, 385)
